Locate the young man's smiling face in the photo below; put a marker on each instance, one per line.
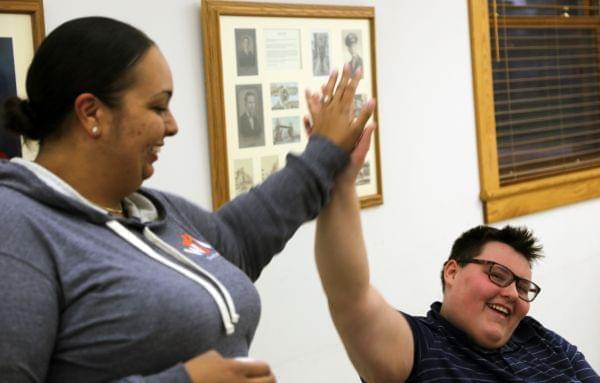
(488, 313)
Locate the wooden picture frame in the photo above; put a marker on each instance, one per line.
(258, 59)
(21, 32)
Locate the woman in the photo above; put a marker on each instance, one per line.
(103, 280)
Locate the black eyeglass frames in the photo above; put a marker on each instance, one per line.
(503, 276)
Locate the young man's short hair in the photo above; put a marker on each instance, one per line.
(471, 242)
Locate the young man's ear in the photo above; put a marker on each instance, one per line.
(88, 111)
(451, 268)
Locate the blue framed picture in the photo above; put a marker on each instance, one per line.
(10, 144)
(21, 32)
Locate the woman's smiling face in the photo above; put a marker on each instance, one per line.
(143, 119)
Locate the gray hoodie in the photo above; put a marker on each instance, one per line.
(88, 298)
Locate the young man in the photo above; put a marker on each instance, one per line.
(480, 333)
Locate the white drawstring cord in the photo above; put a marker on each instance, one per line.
(221, 297)
(164, 246)
(228, 322)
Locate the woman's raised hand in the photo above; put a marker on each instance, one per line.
(332, 111)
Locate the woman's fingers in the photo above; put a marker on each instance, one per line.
(348, 96)
(332, 115)
(328, 88)
(255, 369)
(343, 83)
(313, 102)
(267, 379)
(211, 367)
(307, 125)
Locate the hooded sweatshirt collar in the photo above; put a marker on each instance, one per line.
(50, 189)
(42, 185)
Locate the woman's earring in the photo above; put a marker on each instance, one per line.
(95, 131)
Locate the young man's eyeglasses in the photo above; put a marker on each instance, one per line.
(503, 276)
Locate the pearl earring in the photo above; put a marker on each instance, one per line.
(95, 131)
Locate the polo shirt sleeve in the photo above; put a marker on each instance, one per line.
(422, 337)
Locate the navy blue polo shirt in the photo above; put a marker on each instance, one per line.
(445, 354)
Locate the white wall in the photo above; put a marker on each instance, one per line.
(430, 179)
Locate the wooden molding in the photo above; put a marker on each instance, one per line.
(504, 202)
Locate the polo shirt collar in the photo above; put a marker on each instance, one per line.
(522, 334)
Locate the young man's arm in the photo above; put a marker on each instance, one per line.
(377, 338)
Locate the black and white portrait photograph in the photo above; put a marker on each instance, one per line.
(364, 175)
(352, 41)
(320, 53)
(268, 166)
(251, 130)
(245, 43)
(10, 144)
(286, 130)
(284, 95)
(243, 175)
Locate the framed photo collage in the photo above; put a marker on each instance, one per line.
(259, 59)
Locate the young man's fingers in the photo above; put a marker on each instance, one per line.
(364, 143)
(364, 115)
(358, 154)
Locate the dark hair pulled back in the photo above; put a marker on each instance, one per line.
(86, 55)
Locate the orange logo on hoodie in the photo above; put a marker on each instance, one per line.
(193, 246)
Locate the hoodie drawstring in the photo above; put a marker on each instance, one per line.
(164, 246)
(217, 291)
